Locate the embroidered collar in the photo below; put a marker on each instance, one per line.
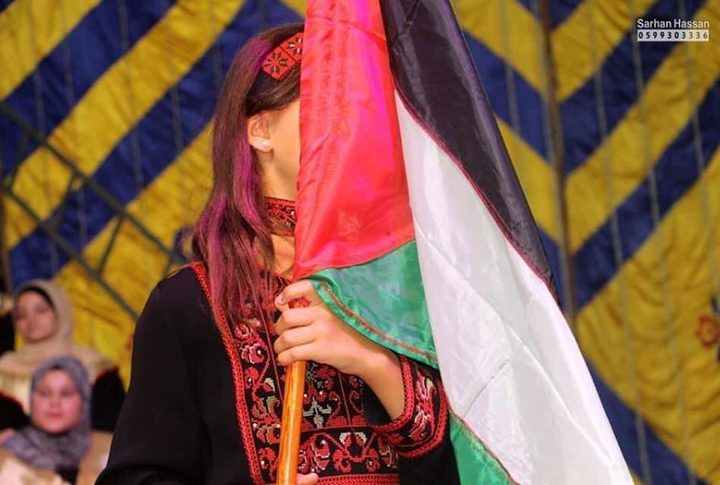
(282, 215)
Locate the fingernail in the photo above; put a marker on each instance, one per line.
(280, 299)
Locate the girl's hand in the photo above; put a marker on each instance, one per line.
(315, 333)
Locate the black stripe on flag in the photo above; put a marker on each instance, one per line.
(435, 75)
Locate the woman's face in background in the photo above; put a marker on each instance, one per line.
(56, 403)
(35, 318)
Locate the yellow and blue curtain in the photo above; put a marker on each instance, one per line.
(104, 133)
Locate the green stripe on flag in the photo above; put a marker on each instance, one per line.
(475, 464)
(383, 300)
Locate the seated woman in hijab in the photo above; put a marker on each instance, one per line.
(43, 318)
(52, 448)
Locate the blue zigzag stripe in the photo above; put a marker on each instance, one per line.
(666, 467)
(31, 257)
(579, 112)
(86, 60)
(675, 174)
(492, 71)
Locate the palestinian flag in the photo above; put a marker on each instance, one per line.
(414, 230)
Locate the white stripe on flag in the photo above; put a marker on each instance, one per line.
(512, 369)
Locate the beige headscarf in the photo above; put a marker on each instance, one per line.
(24, 362)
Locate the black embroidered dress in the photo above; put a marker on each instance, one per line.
(205, 403)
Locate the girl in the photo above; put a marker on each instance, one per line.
(211, 346)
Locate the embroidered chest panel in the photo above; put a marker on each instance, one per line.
(336, 440)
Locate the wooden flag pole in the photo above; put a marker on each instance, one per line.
(291, 421)
(291, 417)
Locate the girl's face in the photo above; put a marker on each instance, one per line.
(285, 133)
(35, 319)
(56, 403)
(275, 136)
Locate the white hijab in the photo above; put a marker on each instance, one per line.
(22, 363)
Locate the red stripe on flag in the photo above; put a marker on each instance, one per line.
(352, 204)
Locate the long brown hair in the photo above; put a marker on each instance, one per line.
(233, 227)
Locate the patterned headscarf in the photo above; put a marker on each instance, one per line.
(54, 451)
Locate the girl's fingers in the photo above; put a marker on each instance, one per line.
(297, 290)
(299, 352)
(296, 317)
(293, 338)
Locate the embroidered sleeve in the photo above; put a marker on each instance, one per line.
(421, 427)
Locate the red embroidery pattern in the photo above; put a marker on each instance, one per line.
(284, 58)
(241, 411)
(422, 425)
(282, 214)
(336, 441)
